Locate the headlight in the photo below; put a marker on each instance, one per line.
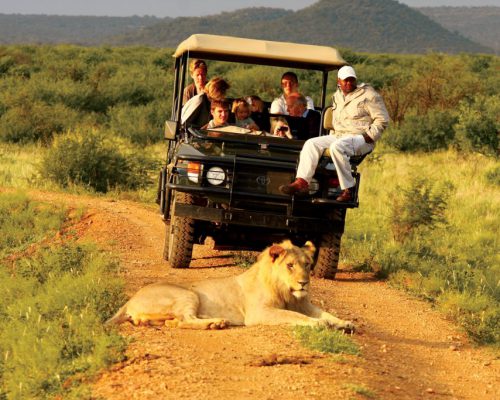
(313, 186)
(194, 171)
(216, 176)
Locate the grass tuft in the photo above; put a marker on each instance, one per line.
(325, 340)
(360, 389)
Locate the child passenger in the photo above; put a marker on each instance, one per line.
(259, 113)
(241, 111)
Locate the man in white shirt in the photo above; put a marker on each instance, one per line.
(289, 84)
(359, 118)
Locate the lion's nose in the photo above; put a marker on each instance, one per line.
(303, 283)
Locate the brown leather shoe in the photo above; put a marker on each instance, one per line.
(345, 196)
(298, 186)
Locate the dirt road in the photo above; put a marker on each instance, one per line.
(409, 351)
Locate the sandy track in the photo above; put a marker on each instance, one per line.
(409, 351)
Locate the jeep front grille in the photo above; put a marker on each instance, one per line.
(260, 179)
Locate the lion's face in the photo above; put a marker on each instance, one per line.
(292, 267)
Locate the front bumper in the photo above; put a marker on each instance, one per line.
(287, 223)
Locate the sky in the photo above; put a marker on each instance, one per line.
(176, 8)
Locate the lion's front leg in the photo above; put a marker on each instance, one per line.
(315, 312)
(276, 316)
(203, 323)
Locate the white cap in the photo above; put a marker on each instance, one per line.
(346, 72)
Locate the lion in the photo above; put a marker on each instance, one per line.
(274, 291)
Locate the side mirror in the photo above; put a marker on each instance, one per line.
(170, 129)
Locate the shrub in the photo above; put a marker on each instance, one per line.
(141, 125)
(418, 205)
(97, 161)
(37, 121)
(428, 132)
(478, 125)
(493, 176)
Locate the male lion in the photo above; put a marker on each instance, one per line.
(275, 290)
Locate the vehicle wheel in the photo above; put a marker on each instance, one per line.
(179, 235)
(327, 259)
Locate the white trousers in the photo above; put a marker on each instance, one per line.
(341, 149)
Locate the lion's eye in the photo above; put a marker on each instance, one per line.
(289, 266)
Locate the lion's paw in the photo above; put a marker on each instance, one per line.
(172, 323)
(222, 324)
(345, 326)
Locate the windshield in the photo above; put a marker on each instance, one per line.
(237, 135)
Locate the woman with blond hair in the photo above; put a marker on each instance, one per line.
(196, 112)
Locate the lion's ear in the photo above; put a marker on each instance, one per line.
(309, 248)
(275, 251)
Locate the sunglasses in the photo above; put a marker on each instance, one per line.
(283, 129)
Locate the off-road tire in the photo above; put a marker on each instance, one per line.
(327, 259)
(327, 256)
(179, 235)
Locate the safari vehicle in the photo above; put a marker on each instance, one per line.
(223, 183)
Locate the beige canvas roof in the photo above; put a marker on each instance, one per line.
(260, 52)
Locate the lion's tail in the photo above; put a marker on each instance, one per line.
(119, 317)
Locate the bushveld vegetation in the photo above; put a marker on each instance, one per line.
(432, 185)
(55, 296)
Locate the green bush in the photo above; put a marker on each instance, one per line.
(92, 159)
(33, 122)
(493, 176)
(428, 132)
(478, 125)
(420, 204)
(142, 125)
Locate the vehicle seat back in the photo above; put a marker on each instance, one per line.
(328, 118)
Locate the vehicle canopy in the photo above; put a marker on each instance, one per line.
(265, 52)
(252, 51)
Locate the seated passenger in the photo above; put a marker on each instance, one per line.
(220, 113)
(309, 121)
(259, 112)
(289, 84)
(280, 128)
(198, 71)
(241, 111)
(196, 112)
(359, 119)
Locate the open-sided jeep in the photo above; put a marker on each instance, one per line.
(224, 183)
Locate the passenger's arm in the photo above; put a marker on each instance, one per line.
(380, 118)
